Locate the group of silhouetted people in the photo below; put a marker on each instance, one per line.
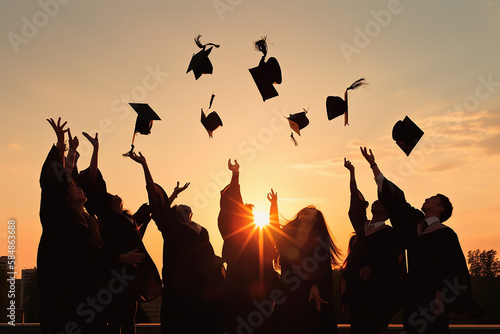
(93, 267)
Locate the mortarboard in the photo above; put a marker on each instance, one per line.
(144, 120)
(211, 121)
(267, 73)
(297, 122)
(200, 64)
(336, 106)
(406, 134)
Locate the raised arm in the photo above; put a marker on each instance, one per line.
(235, 168)
(150, 185)
(231, 193)
(59, 130)
(155, 199)
(177, 191)
(370, 158)
(94, 160)
(403, 216)
(357, 207)
(72, 158)
(273, 211)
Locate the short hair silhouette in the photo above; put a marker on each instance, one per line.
(448, 208)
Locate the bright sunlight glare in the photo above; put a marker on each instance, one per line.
(261, 218)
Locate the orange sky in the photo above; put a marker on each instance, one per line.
(85, 61)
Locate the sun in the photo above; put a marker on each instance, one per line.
(261, 218)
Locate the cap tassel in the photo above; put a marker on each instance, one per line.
(211, 100)
(261, 45)
(131, 147)
(202, 46)
(293, 139)
(346, 116)
(356, 84)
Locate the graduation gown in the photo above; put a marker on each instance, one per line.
(192, 273)
(70, 264)
(123, 233)
(375, 301)
(301, 268)
(435, 263)
(248, 252)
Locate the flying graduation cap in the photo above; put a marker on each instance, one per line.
(211, 121)
(336, 106)
(200, 64)
(144, 120)
(297, 122)
(267, 73)
(406, 134)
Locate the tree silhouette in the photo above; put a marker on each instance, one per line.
(483, 263)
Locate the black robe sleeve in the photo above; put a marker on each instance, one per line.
(404, 218)
(357, 210)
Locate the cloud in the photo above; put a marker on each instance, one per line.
(472, 132)
(440, 168)
(15, 147)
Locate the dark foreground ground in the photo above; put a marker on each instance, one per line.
(343, 329)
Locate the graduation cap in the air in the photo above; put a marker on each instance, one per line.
(406, 134)
(336, 106)
(297, 122)
(200, 64)
(144, 120)
(267, 73)
(211, 121)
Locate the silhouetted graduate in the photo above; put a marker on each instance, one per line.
(71, 263)
(375, 269)
(406, 134)
(248, 252)
(193, 281)
(439, 286)
(121, 232)
(267, 73)
(200, 63)
(336, 106)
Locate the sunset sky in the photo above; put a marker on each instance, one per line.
(437, 62)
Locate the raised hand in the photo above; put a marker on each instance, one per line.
(235, 168)
(368, 156)
(94, 141)
(314, 294)
(73, 141)
(348, 165)
(58, 129)
(272, 196)
(178, 190)
(137, 158)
